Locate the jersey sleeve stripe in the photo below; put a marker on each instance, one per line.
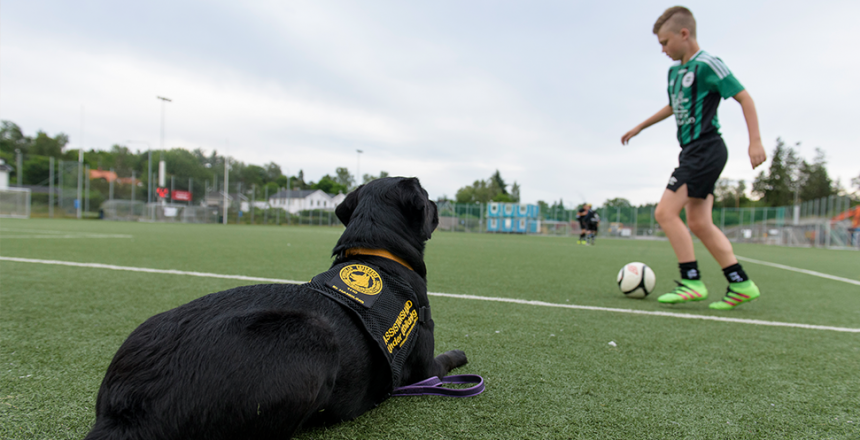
(716, 65)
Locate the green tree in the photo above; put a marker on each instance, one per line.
(776, 187)
(484, 191)
(498, 182)
(728, 194)
(367, 178)
(330, 185)
(617, 202)
(12, 138)
(515, 192)
(814, 180)
(343, 178)
(273, 171)
(479, 192)
(44, 145)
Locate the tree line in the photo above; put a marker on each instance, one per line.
(789, 178)
(195, 164)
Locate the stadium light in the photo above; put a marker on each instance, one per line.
(163, 100)
(358, 168)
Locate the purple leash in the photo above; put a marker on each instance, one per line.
(433, 387)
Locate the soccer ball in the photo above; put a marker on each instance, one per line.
(636, 280)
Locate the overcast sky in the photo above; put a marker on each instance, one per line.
(448, 91)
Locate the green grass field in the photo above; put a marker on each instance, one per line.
(550, 372)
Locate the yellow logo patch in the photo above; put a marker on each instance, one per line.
(362, 279)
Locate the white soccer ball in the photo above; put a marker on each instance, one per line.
(636, 280)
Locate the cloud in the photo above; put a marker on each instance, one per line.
(448, 91)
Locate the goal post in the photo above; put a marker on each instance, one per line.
(15, 202)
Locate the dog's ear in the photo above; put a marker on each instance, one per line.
(347, 206)
(431, 221)
(422, 210)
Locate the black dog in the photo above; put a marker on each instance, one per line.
(258, 362)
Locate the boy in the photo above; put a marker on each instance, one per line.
(591, 222)
(696, 85)
(583, 228)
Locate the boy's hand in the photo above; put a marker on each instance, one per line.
(626, 138)
(757, 153)
(662, 114)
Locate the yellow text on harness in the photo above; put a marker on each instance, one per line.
(397, 335)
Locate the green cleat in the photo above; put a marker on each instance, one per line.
(737, 294)
(688, 290)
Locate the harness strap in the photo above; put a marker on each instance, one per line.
(377, 253)
(433, 387)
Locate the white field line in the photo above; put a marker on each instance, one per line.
(447, 295)
(45, 233)
(147, 270)
(799, 270)
(13, 237)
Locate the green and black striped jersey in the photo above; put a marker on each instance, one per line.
(695, 89)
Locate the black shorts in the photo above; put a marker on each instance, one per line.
(699, 166)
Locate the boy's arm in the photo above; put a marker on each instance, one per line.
(757, 153)
(664, 113)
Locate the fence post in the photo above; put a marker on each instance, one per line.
(651, 225)
(723, 219)
(253, 200)
(51, 187)
(131, 208)
(635, 221)
(60, 185)
(87, 188)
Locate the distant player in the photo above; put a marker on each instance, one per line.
(592, 220)
(589, 222)
(696, 85)
(580, 217)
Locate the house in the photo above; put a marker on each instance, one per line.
(215, 199)
(295, 201)
(108, 176)
(4, 174)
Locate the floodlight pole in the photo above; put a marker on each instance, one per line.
(358, 168)
(80, 168)
(226, 183)
(163, 101)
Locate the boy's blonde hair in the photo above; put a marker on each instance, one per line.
(676, 18)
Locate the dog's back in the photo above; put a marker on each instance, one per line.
(252, 362)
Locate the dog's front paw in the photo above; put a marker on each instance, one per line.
(452, 359)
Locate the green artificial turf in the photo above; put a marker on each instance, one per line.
(550, 372)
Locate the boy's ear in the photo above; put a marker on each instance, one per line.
(347, 207)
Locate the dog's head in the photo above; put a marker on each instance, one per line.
(393, 213)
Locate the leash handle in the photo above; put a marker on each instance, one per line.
(433, 387)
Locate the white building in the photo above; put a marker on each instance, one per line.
(4, 174)
(304, 200)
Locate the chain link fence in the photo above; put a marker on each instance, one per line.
(63, 188)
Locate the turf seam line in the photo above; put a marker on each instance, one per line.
(447, 295)
(649, 312)
(799, 270)
(148, 270)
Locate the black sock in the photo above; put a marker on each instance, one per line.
(582, 236)
(735, 273)
(690, 271)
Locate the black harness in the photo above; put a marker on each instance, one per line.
(384, 303)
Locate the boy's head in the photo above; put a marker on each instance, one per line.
(675, 30)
